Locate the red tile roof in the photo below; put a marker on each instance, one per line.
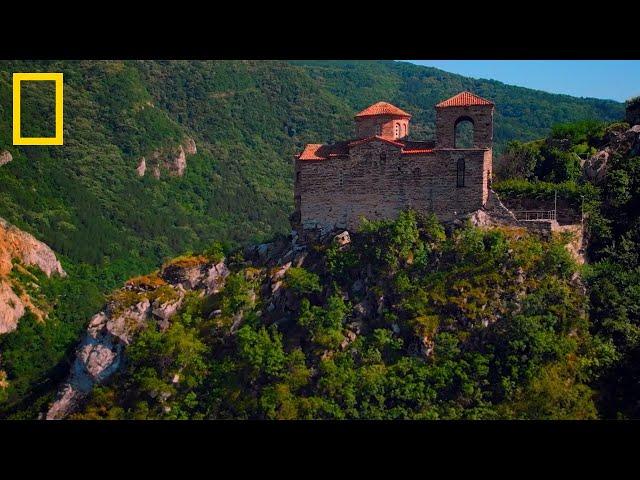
(464, 99)
(382, 108)
(376, 137)
(317, 151)
(417, 151)
(310, 152)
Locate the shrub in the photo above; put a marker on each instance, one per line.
(302, 281)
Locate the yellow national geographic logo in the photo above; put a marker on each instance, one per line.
(37, 77)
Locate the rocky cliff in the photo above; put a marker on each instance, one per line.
(152, 298)
(622, 140)
(172, 160)
(17, 250)
(271, 284)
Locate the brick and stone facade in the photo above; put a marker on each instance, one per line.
(381, 171)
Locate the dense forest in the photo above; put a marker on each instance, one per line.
(248, 118)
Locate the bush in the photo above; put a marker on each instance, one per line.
(584, 131)
(570, 190)
(302, 281)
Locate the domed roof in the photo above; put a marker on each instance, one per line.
(382, 108)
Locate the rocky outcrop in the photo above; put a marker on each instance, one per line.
(99, 355)
(11, 308)
(155, 298)
(493, 213)
(142, 167)
(16, 244)
(172, 160)
(620, 141)
(595, 167)
(190, 146)
(5, 157)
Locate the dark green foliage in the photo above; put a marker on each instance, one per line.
(585, 131)
(613, 232)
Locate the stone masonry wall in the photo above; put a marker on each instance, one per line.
(377, 182)
(367, 127)
(481, 116)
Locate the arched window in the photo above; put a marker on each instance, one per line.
(460, 173)
(463, 134)
(298, 176)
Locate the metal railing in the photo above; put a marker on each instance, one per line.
(534, 215)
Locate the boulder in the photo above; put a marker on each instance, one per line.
(11, 308)
(215, 277)
(189, 274)
(190, 146)
(5, 157)
(342, 238)
(178, 164)
(142, 167)
(164, 311)
(595, 167)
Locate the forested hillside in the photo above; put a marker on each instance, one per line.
(404, 319)
(247, 118)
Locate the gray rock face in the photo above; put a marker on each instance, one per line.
(5, 157)
(493, 213)
(215, 277)
(164, 311)
(622, 142)
(101, 351)
(595, 168)
(189, 277)
(99, 355)
(179, 163)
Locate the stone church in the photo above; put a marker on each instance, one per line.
(382, 171)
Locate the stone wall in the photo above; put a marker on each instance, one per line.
(377, 182)
(368, 126)
(447, 119)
